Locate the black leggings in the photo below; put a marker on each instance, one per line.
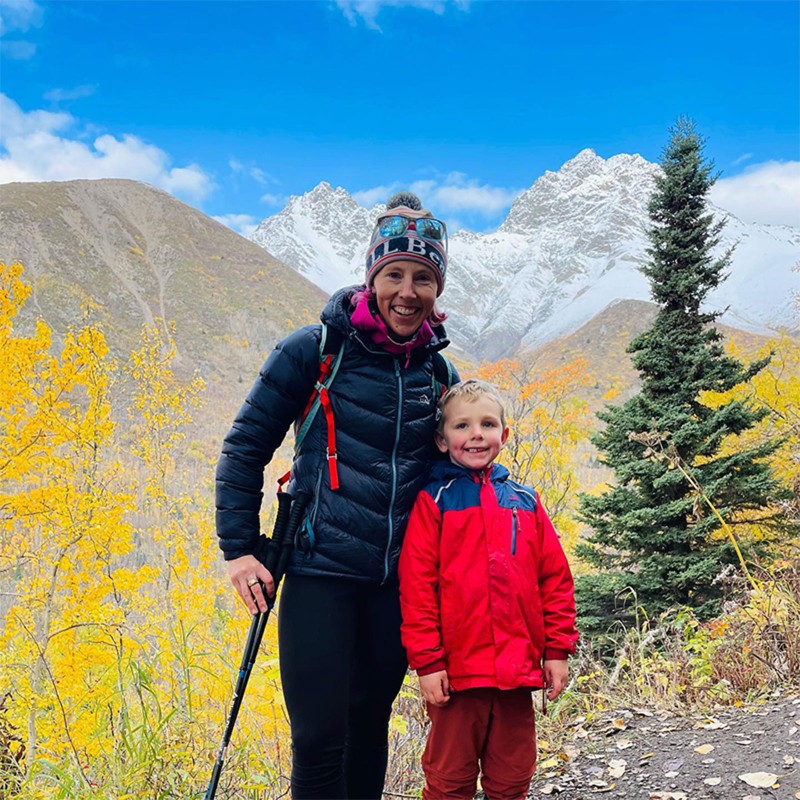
(342, 665)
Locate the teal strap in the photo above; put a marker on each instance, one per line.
(439, 359)
(322, 340)
(301, 434)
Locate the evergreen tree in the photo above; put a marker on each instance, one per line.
(652, 532)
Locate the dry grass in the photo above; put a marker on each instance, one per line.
(679, 664)
(674, 662)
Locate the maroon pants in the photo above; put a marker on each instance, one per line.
(488, 731)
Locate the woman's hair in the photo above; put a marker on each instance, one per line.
(470, 390)
(404, 198)
(436, 317)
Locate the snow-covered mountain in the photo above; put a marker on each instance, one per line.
(570, 246)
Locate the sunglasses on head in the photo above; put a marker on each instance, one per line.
(434, 230)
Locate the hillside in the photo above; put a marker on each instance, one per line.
(131, 254)
(603, 342)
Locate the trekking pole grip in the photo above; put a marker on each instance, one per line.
(279, 530)
(295, 518)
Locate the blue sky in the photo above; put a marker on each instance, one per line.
(235, 106)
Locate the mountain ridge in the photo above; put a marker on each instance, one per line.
(570, 244)
(140, 256)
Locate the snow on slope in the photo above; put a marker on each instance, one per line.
(570, 246)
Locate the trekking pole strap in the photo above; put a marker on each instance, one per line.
(296, 517)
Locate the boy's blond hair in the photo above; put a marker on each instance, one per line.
(470, 390)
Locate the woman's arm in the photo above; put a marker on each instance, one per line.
(279, 394)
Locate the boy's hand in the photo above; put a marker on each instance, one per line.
(435, 688)
(556, 675)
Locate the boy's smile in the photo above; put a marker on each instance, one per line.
(473, 433)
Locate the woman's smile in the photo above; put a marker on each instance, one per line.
(405, 292)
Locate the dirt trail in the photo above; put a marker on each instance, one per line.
(748, 753)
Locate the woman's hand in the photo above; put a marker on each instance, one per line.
(251, 577)
(435, 688)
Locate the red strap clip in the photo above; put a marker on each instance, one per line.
(284, 479)
(332, 457)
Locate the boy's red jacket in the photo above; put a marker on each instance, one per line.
(485, 588)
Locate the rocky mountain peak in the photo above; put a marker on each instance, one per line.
(571, 244)
(585, 163)
(320, 202)
(319, 234)
(621, 185)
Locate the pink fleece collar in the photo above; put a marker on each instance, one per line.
(363, 319)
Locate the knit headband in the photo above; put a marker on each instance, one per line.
(407, 247)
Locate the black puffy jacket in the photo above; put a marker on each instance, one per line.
(384, 422)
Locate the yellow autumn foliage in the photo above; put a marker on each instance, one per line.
(548, 422)
(119, 637)
(776, 388)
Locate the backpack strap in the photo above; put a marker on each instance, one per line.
(331, 350)
(442, 376)
(330, 357)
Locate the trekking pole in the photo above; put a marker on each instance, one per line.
(287, 520)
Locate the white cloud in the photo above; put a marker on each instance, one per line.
(243, 224)
(18, 50)
(273, 199)
(256, 173)
(18, 16)
(368, 10)
(259, 176)
(768, 192)
(459, 193)
(453, 194)
(44, 146)
(76, 93)
(375, 195)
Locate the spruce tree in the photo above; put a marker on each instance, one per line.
(652, 532)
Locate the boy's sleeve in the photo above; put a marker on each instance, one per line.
(419, 588)
(557, 592)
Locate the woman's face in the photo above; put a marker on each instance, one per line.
(405, 292)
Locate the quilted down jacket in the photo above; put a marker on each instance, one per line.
(383, 411)
(485, 588)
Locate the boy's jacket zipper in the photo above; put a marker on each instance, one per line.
(514, 528)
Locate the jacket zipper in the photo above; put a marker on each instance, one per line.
(514, 526)
(394, 469)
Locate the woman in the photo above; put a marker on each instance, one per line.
(342, 662)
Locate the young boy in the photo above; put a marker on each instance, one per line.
(488, 606)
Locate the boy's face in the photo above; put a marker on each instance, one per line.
(473, 433)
